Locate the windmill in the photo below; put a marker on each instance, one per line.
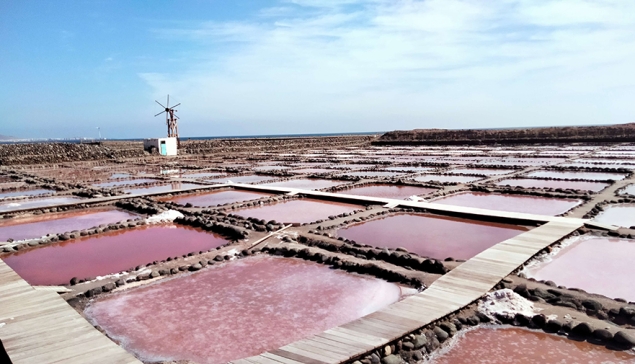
(170, 118)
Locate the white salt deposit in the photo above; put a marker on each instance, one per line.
(415, 198)
(506, 303)
(166, 216)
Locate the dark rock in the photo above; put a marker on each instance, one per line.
(408, 346)
(553, 326)
(602, 335)
(196, 267)
(374, 359)
(592, 305)
(441, 334)
(108, 287)
(417, 356)
(74, 281)
(419, 341)
(626, 311)
(392, 359)
(539, 320)
(120, 282)
(624, 339)
(449, 328)
(582, 330)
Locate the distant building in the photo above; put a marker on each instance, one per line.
(163, 146)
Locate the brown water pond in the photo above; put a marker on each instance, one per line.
(237, 309)
(593, 176)
(218, 198)
(108, 253)
(592, 263)
(431, 235)
(306, 183)
(444, 178)
(36, 203)
(31, 227)
(298, 211)
(388, 191)
(521, 346)
(620, 215)
(511, 203)
(541, 183)
(40, 191)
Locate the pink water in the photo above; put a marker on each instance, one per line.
(620, 215)
(522, 346)
(25, 193)
(108, 253)
(444, 178)
(511, 203)
(594, 176)
(218, 198)
(593, 264)
(388, 191)
(541, 183)
(237, 309)
(307, 183)
(431, 235)
(174, 186)
(243, 179)
(125, 182)
(483, 171)
(629, 190)
(36, 226)
(35, 203)
(298, 211)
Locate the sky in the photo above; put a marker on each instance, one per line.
(312, 66)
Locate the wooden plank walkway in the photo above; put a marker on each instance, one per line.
(463, 285)
(38, 326)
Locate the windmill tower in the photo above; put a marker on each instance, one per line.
(170, 118)
(170, 145)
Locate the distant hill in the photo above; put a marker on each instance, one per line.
(6, 137)
(558, 134)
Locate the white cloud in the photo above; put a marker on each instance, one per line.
(378, 65)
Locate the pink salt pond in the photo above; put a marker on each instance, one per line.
(243, 179)
(298, 211)
(620, 215)
(444, 178)
(541, 183)
(237, 309)
(593, 176)
(36, 203)
(25, 193)
(511, 203)
(522, 346)
(482, 171)
(218, 198)
(172, 187)
(388, 191)
(431, 235)
(594, 264)
(108, 253)
(37, 226)
(306, 183)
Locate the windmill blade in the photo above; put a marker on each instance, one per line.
(168, 100)
(159, 104)
(175, 105)
(160, 113)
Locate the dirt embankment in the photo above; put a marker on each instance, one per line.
(272, 144)
(39, 153)
(564, 134)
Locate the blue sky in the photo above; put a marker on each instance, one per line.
(311, 66)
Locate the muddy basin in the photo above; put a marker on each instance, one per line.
(522, 346)
(237, 309)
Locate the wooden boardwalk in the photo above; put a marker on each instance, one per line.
(38, 326)
(454, 290)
